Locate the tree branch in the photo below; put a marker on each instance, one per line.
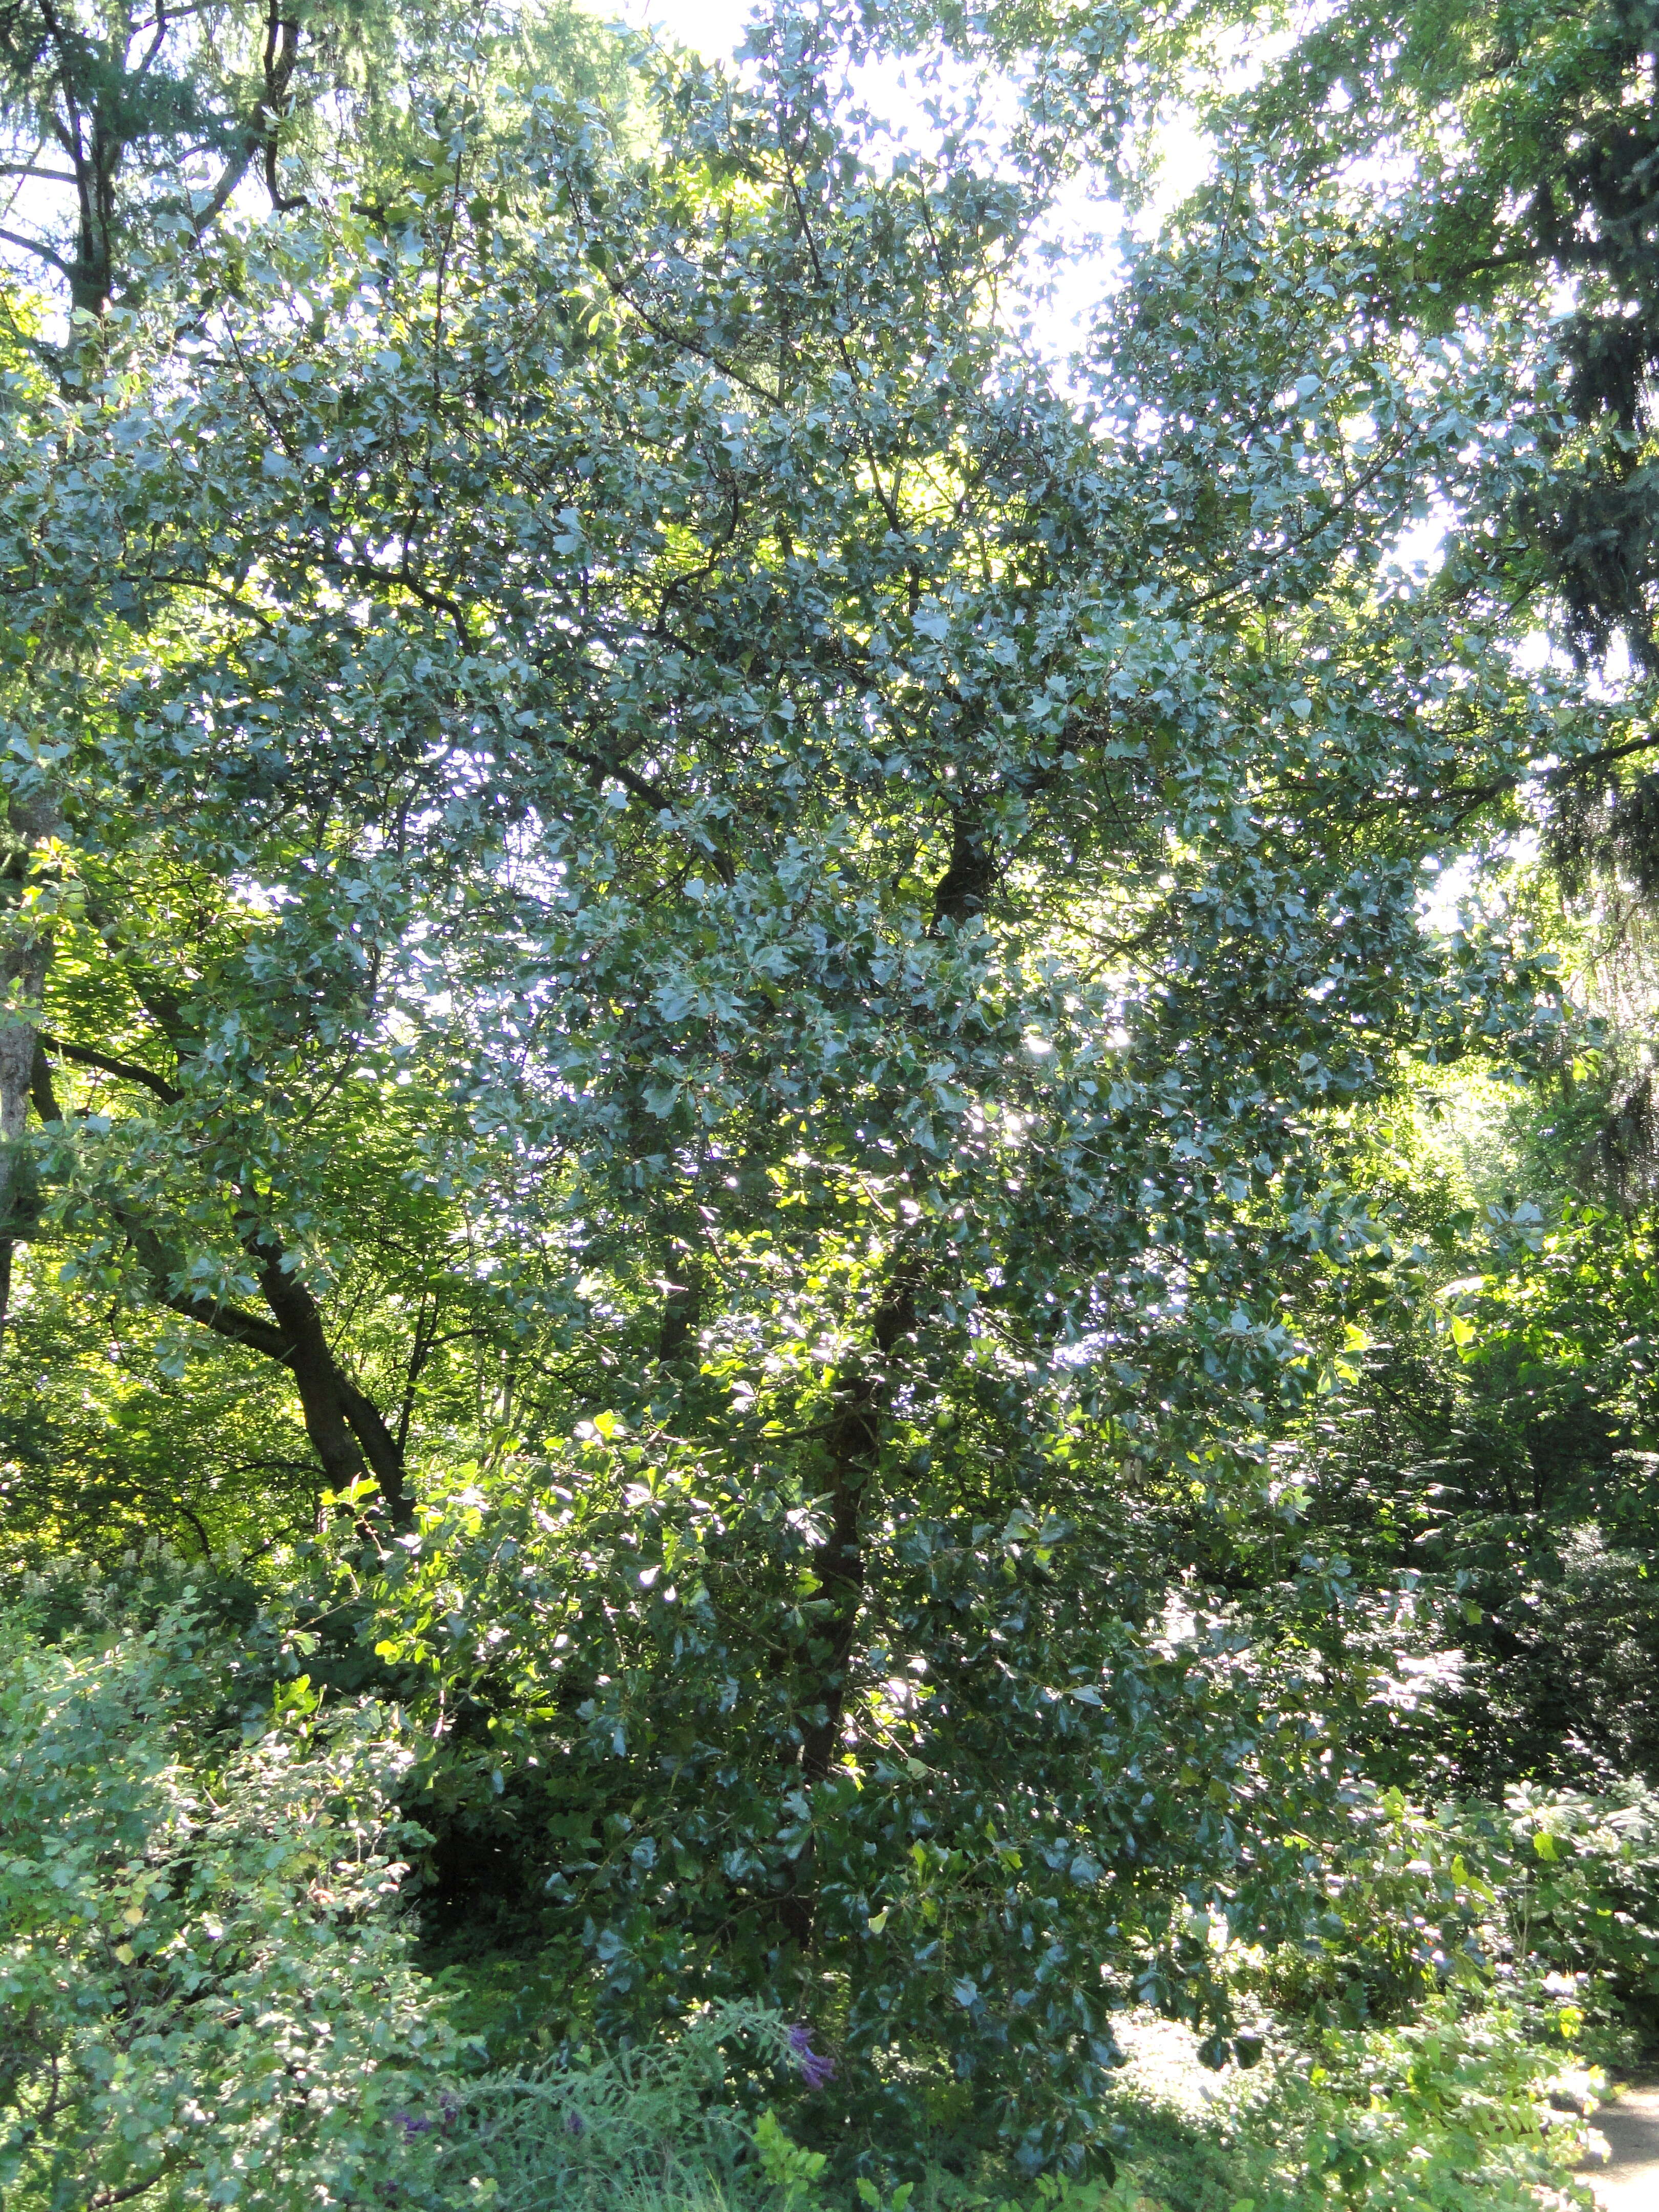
(157, 1263)
(128, 1070)
(33, 246)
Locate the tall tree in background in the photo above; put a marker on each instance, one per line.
(1494, 1435)
(122, 126)
(159, 122)
(1533, 140)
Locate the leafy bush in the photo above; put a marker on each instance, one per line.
(1447, 2113)
(1560, 1679)
(1581, 1902)
(1444, 2113)
(1555, 1896)
(1041, 1804)
(1404, 1915)
(206, 1996)
(209, 1989)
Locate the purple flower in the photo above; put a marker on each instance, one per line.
(815, 2068)
(574, 2124)
(413, 2124)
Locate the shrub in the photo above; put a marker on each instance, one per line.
(1580, 1889)
(1039, 1808)
(1555, 1895)
(1445, 2113)
(206, 1994)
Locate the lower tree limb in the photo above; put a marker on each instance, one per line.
(346, 1429)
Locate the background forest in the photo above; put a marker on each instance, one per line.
(829, 1154)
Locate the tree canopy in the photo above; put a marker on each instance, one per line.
(719, 1013)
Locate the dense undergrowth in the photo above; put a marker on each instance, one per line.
(215, 1989)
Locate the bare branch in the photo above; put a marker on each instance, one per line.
(33, 246)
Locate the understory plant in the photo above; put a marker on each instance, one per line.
(1040, 1804)
(1550, 1899)
(667, 2120)
(1448, 2111)
(206, 1994)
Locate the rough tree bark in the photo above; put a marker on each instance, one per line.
(854, 1441)
(681, 1301)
